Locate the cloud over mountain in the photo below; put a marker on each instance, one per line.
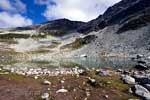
(80, 10)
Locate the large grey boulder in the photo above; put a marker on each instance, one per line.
(128, 79)
(141, 92)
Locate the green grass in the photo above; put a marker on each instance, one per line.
(80, 42)
(39, 51)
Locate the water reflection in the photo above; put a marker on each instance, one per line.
(13, 60)
(113, 62)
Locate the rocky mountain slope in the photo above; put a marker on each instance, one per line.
(123, 30)
(128, 14)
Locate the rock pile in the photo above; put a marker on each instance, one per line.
(44, 71)
(142, 63)
(139, 78)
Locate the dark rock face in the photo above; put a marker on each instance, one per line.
(135, 23)
(58, 27)
(141, 66)
(61, 24)
(129, 14)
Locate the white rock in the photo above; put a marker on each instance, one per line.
(88, 94)
(47, 82)
(85, 98)
(148, 57)
(142, 92)
(92, 80)
(45, 96)
(12, 70)
(83, 55)
(62, 81)
(35, 77)
(48, 89)
(61, 91)
(106, 96)
(128, 79)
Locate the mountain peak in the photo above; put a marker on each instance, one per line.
(117, 14)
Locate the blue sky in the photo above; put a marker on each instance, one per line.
(14, 13)
(35, 11)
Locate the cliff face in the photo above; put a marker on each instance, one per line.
(127, 11)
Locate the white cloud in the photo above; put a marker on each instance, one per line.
(81, 10)
(13, 20)
(5, 5)
(43, 2)
(11, 15)
(13, 6)
(20, 6)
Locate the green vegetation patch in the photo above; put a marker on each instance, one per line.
(80, 42)
(74, 45)
(39, 51)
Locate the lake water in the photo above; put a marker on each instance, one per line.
(111, 62)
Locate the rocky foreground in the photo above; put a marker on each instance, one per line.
(76, 83)
(89, 85)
